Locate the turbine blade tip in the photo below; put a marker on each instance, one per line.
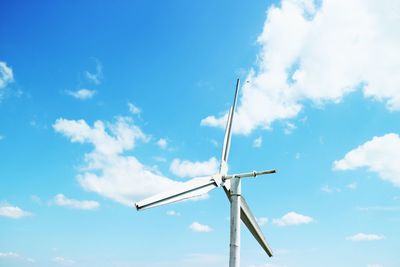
(137, 206)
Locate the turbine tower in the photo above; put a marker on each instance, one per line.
(232, 187)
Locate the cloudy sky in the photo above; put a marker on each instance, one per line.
(105, 104)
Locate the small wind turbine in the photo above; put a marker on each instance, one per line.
(232, 188)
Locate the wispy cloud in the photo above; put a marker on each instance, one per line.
(82, 94)
(9, 255)
(6, 75)
(289, 128)
(257, 142)
(133, 108)
(214, 142)
(351, 186)
(61, 200)
(329, 189)
(36, 199)
(379, 155)
(262, 221)
(299, 63)
(380, 208)
(159, 159)
(16, 256)
(63, 261)
(97, 76)
(268, 265)
(162, 143)
(13, 212)
(204, 259)
(200, 228)
(173, 213)
(292, 218)
(365, 237)
(186, 168)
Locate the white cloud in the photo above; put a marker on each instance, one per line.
(329, 189)
(16, 256)
(63, 261)
(257, 142)
(107, 138)
(379, 208)
(36, 199)
(201, 228)
(97, 76)
(106, 170)
(281, 251)
(379, 155)
(319, 55)
(268, 265)
(173, 213)
(82, 94)
(160, 159)
(352, 186)
(9, 255)
(262, 221)
(61, 200)
(203, 259)
(6, 75)
(374, 265)
(13, 212)
(289, 128)
(162, 143)
(214, 142)
(188, 168)
(292, 218)
(365, 237)
(133, 108)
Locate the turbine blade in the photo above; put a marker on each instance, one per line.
(225, 148)
(194, 188)
(228, 132)
(250, 221)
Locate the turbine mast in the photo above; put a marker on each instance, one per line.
(234, 246)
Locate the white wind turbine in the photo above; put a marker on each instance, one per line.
(231, 185)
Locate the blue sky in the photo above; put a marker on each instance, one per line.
(105, 104)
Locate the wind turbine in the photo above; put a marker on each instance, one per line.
(232, 187)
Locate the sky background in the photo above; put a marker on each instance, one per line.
(104, 104)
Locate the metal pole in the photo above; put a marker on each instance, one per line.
(248, 174)
(234, 253)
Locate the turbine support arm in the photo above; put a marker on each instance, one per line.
(248, 174)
